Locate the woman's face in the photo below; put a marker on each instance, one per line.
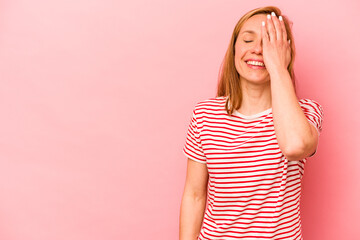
(248, 51)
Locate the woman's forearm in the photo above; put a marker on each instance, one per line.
(291, 126)
(191, 216)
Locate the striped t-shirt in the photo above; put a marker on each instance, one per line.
(253, 190)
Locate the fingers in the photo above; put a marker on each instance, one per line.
(282, 24)
(276, 28)
(270, 28)
(264, 34)
(279, 31)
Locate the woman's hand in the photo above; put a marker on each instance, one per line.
(276, 48)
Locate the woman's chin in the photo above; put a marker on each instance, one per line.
(257, 79)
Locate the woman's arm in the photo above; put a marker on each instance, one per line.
(296, 137)
(193, 201)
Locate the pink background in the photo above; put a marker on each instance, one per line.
(97, 96)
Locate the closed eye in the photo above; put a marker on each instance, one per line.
(247, 41)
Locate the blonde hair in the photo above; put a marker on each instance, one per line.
(229, 78)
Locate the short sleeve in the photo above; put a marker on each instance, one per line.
(193, 148)
(313, 112)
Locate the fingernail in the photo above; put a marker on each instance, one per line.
(268, 16)
(280, 18)
(289, 41)
(263, 23)
(273, 14)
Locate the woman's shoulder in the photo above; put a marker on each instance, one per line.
(307, 100)
(212, 102)
(308, 104)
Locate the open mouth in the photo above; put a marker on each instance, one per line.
(255, 64)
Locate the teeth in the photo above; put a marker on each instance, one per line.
(256, 63)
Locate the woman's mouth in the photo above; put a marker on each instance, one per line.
(255, 64)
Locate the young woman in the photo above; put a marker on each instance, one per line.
(247, 147)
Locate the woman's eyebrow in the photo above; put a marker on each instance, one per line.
(248, 31)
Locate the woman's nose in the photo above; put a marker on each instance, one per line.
(258, 47)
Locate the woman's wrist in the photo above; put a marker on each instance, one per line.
(278, 73)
